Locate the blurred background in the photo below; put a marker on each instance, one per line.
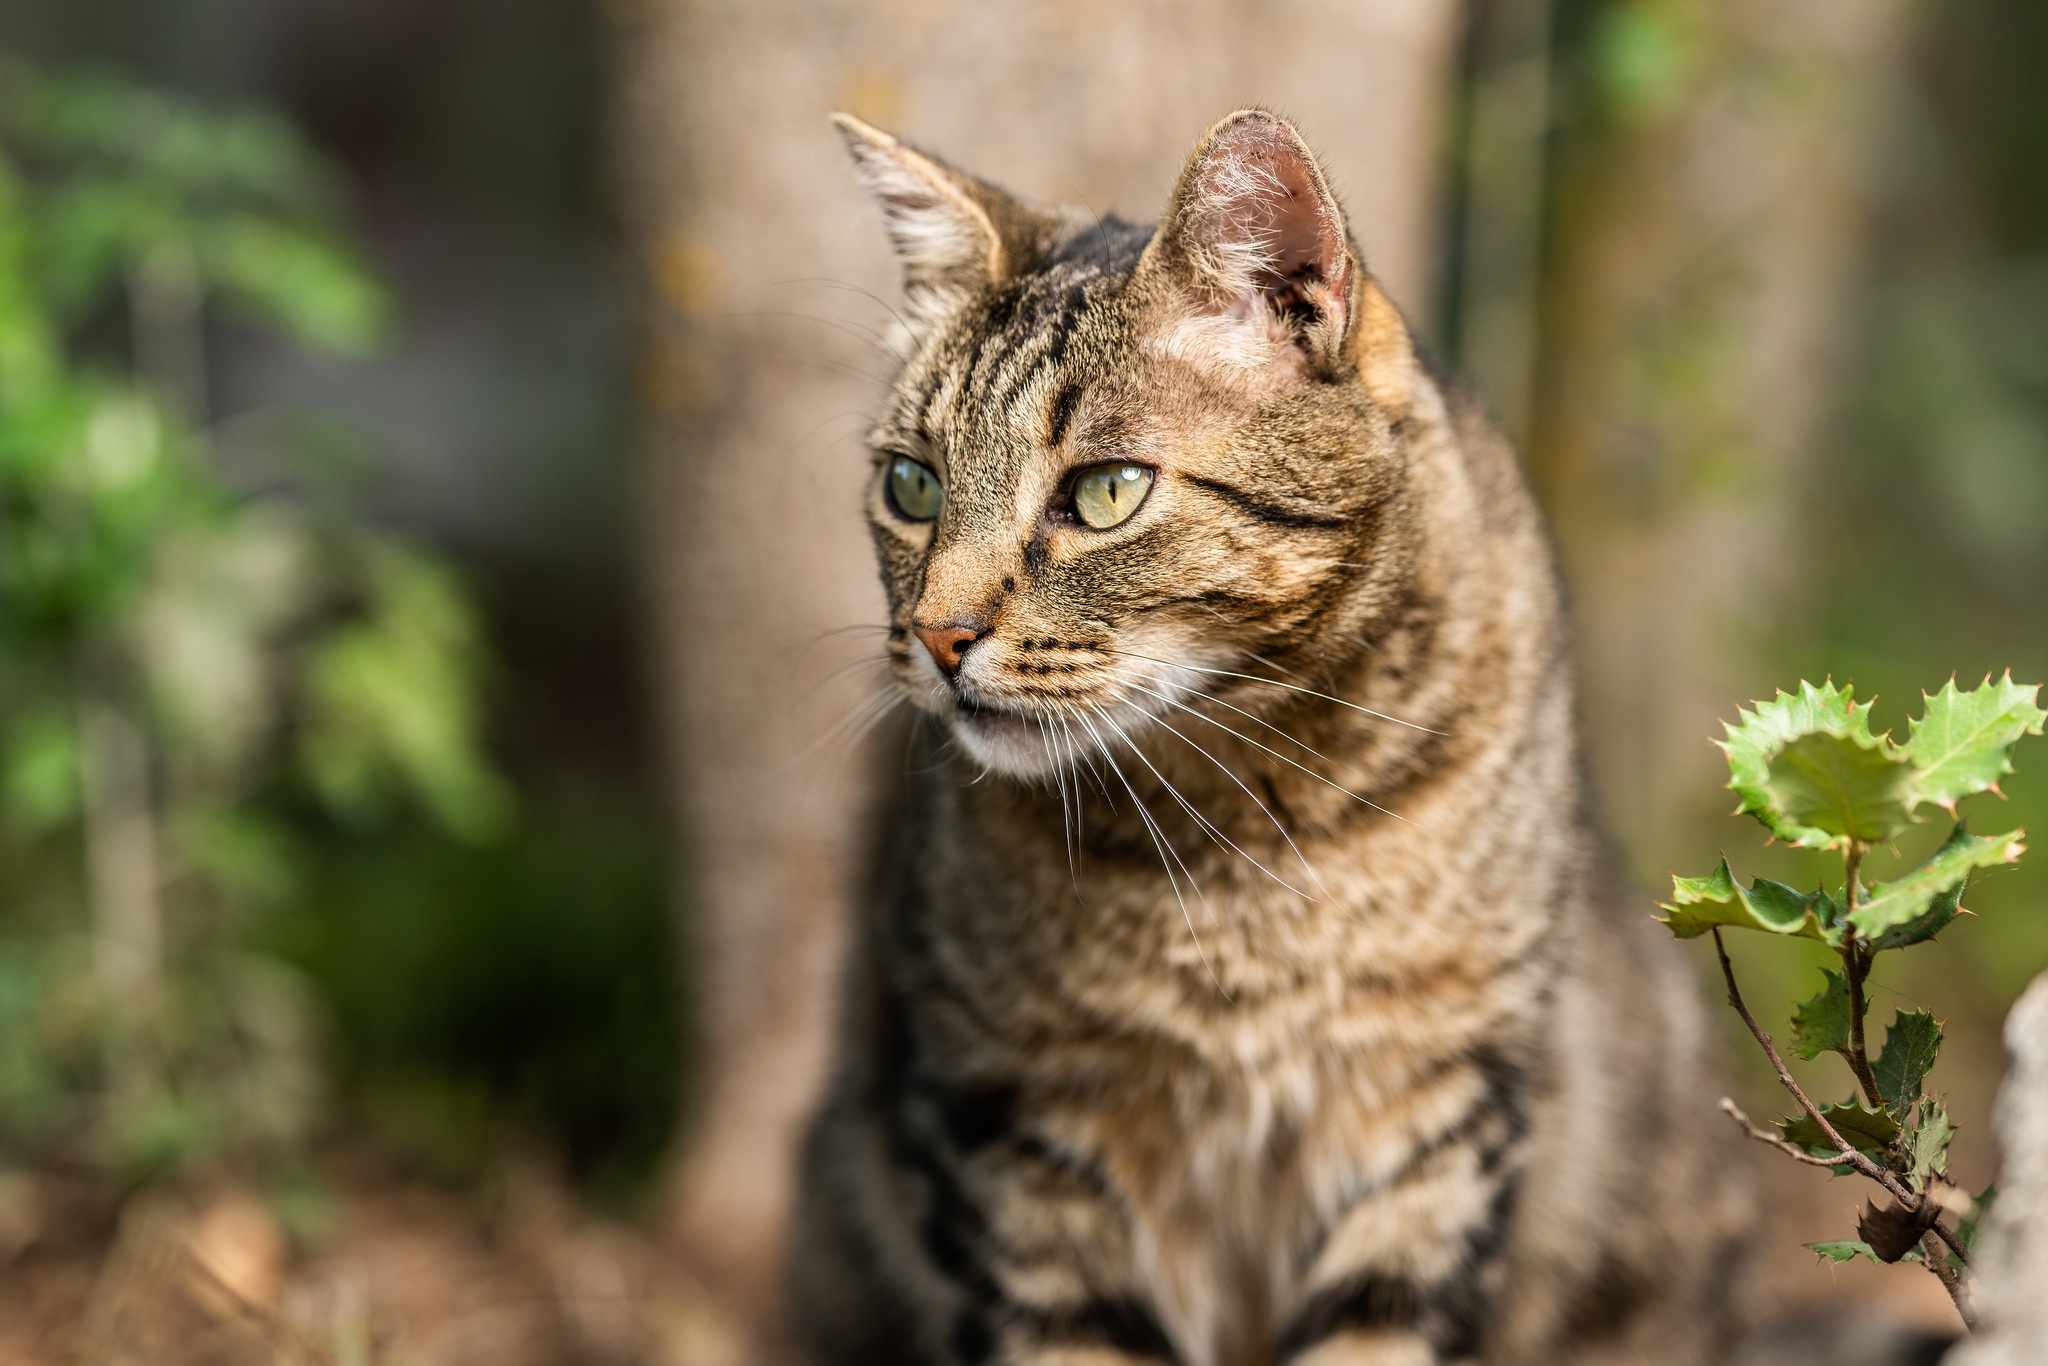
(429, 435)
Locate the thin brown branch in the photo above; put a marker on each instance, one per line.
(1856, 1159)
(1937, 1262)
(1955, 1245)
(1761, 1135)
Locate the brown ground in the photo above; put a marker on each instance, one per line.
(400, 1273)
(403, 1275)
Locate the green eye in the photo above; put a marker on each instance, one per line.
(914, 489)
(1109, 494)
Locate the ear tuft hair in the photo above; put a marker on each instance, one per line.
(940, 220)
(1261, 240)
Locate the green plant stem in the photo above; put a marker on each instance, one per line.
(1856, 961)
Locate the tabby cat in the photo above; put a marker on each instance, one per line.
(1244, 984)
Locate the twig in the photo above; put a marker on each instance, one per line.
(1856, 967)
(1854, 1157)
(1791, 1150)
(1931, 1249)
(1955, 1245)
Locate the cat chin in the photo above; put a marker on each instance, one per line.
(1002, 742)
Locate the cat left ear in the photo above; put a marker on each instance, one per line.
(1260, 242)
(955, 235)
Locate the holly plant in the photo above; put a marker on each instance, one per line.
(1807, 766)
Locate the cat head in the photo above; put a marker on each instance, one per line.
(1126, 467)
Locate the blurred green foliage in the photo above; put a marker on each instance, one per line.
(244, 794)
(1915, 544)
(1944, 430)
(480, 991)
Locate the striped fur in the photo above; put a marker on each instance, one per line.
(1203, 1020)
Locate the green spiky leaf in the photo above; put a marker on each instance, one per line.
(1912, 899)
(1962, 744)
(1699, 903)
(1850, 1250)
(1971, 1226)
(1807, 766)
(1846, 786)
(1871, 1131)
(1931, 1138)
(1822, 1024)
(1910, 1046)
(1940, 911)
(1844, 1251)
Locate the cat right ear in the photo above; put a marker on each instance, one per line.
(1263, 265)
(948, 228)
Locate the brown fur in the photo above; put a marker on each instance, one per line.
(1160, 1046)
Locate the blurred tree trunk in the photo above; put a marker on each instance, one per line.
(1709, 214)
(765, 272)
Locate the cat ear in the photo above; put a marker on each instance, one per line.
(954, 234)
(1259, 246)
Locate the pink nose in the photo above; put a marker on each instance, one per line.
(948, 644)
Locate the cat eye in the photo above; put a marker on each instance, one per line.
(1108, 494)
(914, 490)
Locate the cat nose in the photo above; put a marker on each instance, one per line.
(948, 644)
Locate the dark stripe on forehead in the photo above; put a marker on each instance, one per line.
(1055, 329)
(1063, 405)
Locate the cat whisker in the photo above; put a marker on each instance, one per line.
(870, 628)
(1203, 821)
(868, 294)
(1085, 755)
(1173, 702)
(1274, 683)
(1265, 811)
(860, 334)
(1163, 845)
(871, 659)
(1055, 762)
(1128, 675)
(840, 368)
(852, 728)
(1276, 668)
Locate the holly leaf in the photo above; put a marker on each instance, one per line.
(1971, 1226)
(1849, 1251)
(1910, 1045)
(1931, 1138)
(1962, 743)
(1846, 786)
(1912, 899)
(1865, 1129)
(1699, 903)
(1807, 766)
(1841, 1251)
(1940, 911)
(1822, 1024)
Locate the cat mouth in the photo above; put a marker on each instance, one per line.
(989, 721)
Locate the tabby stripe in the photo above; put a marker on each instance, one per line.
(1122, 1325)
(1253, 506)
(1501, 1104)
(1450, 1313)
